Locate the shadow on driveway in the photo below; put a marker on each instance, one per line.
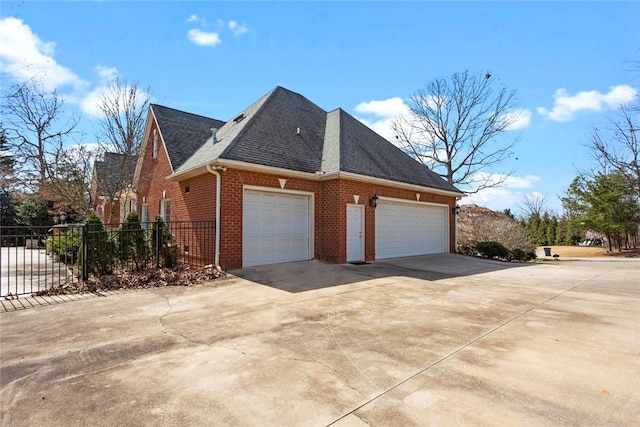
(310, 275)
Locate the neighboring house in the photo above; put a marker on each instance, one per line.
(111, 192)
(287, 181)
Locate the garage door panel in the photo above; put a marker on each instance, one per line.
(407, 229)
(275, 228)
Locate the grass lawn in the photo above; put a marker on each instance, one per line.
(590, 251)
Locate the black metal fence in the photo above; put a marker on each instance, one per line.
(33, 259)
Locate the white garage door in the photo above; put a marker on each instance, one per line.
(275, 228)
(408, 229)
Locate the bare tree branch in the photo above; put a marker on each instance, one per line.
(35, 130)
(453, 125)
(533, 206)
(619, 148)
(124, 108)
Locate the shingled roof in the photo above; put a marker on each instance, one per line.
(115, 171)
(183, 133)
(285, 130)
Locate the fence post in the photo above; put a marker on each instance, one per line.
(157, 236)
(85, 252)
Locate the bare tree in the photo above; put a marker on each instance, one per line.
(534, 205)
(124, 109)
(478, 224)
(36, 129)
(69, 187)
(453, 125)
(619, 148)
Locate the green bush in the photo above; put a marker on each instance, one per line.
(517, 254)
(163, 244)
(530, 255)
(100, 248)
(132, 242)
(492, 250)
(65, 245)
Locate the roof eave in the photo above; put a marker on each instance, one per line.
(236, 164)
(391, 183)
(181, 175)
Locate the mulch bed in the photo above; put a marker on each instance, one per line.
(144, 279)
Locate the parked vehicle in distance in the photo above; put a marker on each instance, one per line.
(591, 242)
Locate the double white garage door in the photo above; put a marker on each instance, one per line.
(408, 229)
(277, 227)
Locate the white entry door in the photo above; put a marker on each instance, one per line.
(355, 233)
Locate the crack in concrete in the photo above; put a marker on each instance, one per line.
(167, 330)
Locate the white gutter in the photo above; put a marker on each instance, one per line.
(214, 170)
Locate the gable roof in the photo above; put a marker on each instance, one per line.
(182, 133)
(285, 130)
(116, 170)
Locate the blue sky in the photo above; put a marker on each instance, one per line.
(570, 63)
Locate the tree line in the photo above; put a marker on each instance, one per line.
(46, 165)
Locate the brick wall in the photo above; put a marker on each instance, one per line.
(346, 191)
(233, 181)
(330, 216)
(152, 182)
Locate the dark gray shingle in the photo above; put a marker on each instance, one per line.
(272, 137)
(115, 171)
(284, 129)
(183, 133)
(364, 152)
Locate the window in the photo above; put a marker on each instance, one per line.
(155, 144)
(165, 210)
(126, 207)
(144, 216)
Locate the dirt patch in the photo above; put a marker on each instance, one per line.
(590, 251)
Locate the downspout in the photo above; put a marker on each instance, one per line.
(214, 170)
(456, 212)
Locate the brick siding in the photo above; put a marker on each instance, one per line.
(330, 216)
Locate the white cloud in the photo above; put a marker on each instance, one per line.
(106, 74)
(196, 18)
(91, 101)
(519, 119)
(381, 115)
(203, 38)
(509, 195)
(89, 104)
(237, 29)
(24, 56)
(388, 108)
(566, 106)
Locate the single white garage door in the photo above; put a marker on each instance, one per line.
(408, 229)
(275, 228)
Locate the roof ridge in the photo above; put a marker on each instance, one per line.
(185, 112)
(252, 118)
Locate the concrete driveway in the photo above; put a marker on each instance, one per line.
(440, 340)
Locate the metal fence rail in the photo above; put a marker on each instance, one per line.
(33, 259)
(25, 264)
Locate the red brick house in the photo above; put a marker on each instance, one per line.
(111, 194)
(287, 181)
